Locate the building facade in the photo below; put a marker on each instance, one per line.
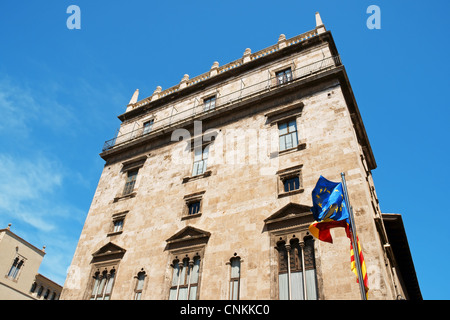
(206, 189)
(20, 262)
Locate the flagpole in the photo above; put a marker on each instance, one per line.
(354, 239)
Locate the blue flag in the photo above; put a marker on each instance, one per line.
(328, 201)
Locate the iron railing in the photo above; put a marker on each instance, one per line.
(221, 101)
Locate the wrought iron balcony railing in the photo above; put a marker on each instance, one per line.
(221, 101)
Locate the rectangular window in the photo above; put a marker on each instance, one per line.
(185, 279)
(131, 180)
(118, 225)
(291, 184)
(209, 103)
(200, 160)
(284, 76)
(193, 207)
(288, 134)
(148, 126)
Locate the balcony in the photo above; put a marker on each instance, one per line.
(199, 110)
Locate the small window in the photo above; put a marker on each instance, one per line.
(290, 181)
(235, 278)
(148, 126)
(194, 207)
(15, 268)
(291, 184)
(288, 134)
(118, 225)
(200, 160)
(209, 103)
(284, 76)
(131, 180)
(139, 285)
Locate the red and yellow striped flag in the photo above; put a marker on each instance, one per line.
(363, 266)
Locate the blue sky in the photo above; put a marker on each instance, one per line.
(61, 91)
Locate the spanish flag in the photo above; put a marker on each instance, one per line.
(330, 211)
(363, 266)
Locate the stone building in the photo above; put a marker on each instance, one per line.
(20, 262)
(206, 189)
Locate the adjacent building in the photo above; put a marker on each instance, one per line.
(19, 263)
(206, 188)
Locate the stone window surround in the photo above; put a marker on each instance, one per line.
(127, 166)
(115, 217)
(190, 198)
(286, 174)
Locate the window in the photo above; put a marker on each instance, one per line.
(290, 181)
(185, 279)
(194, 207)
(131, 180)
(284, 76)
(118, 225)
(288, 134)
(291, 184)
(139, 285)
(235, 263)
(148, 126)
(103, 284)
(200, 160)
(296, 269)
(15, 268)
(209, 103)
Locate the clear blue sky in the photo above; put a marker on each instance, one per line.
(61, 91)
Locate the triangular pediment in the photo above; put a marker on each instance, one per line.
(108, 249)
(188, 233)
(288, 212)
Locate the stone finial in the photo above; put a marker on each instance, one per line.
(183, 81)
(281, 41)
(43, 249)
(155, 94)
(9, 226)
(214, 68)
(247, 53)
(319, 24)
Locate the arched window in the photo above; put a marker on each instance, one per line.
(185, 278)
(33, 287)
(103, 284)
(235, 274)
(296, 269)
(15, 268)
(139, 285)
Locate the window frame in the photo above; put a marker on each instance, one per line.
(189, 261)
(16, 268)
(284, 76)
(289, 133)
(287, 175)
(137, 288)
(97, 282)
(147, 126)
(130, 182)
(235, 279)
(209, 103)
(190, 199)
(204, 161)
